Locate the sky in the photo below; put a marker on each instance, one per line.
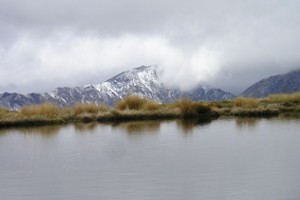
(228, 44)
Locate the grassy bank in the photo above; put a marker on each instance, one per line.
(136, 108)
(130, 108)
(274, 105)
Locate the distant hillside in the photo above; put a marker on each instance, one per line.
(283, 83)
(142, 81)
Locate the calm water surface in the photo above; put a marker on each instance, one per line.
(225, 159)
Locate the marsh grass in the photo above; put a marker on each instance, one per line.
(272, 105)
(254, 112)
(91, 108)
(189, 109)
(137, 103)
(284, 98)
(44, 110)
(151, 106)
(3, 111)
(246, 102)
(221, 104)
(185, 106)
(131, 103)
(137, 108)
(128, 115)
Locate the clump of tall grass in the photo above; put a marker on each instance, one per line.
(260, 112)
(131, 103)
(190, 108)
(45, 110)
(200, 108)
(280, 98)
(151, 106)
(90, 108)
(246, 102)
(185, 105)
(3, 111)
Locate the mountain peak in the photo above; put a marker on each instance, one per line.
(142, 81)
(143, 67)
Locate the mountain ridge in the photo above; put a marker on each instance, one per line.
(280, 83)
(142, 81)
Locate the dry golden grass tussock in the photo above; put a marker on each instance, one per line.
(188, 107)
(3, 111)
(246, 102)
(120, 105)
(91, 108)
(6, 114)
(185, 105)
(279, 98)
(151, 106)
(45, 110)
(131, 103)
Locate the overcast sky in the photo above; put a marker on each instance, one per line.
(227, 43)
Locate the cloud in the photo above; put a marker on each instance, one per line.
(186, 70)
(232, 44)
(70, 60)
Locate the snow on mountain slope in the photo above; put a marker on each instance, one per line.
(142, 81)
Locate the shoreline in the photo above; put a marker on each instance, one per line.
(108, 118)
(134, 108)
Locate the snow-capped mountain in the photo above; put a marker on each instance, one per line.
(143, 81)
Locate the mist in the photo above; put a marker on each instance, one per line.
(230, 45)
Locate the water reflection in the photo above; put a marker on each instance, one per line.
(188, 125)
(137, 127)
(83, 127)
(246, 122)
(45, 131)
(153, 160)
(132, 127)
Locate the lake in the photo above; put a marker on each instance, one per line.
(223, 159)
